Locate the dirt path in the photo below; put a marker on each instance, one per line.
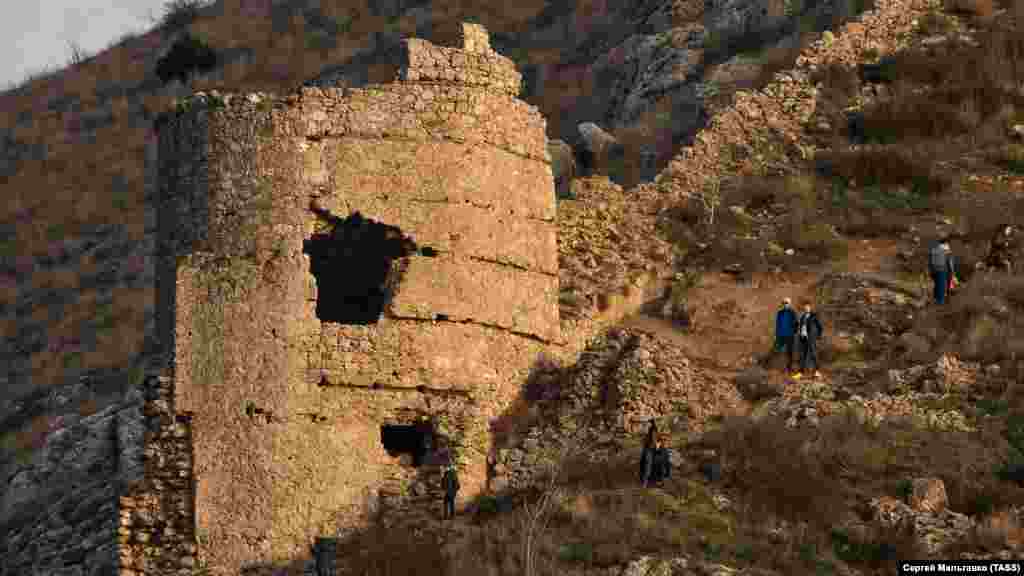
(733, 322)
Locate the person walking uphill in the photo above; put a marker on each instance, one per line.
(450, 483)
(809, 330)
(942, 269)
(785, 331)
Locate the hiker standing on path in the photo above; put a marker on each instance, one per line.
(942, 269)
(785, 331)
(450, 484)
(658, 466)
(808, 330)
(648, 452)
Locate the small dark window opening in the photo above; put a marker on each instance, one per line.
(351, 262)
(416, 439)
(428, 251)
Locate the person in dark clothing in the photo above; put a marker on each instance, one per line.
(450, 484)
(645, 456)
(808, 331)
(659, 464)
(785, 331)
(941, 266)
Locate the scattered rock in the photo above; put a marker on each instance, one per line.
(651, 566)
(755, 384)
(928, 495)
(933, 530)
(946, 375)
(597, 150)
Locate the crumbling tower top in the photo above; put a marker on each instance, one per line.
(451, 53)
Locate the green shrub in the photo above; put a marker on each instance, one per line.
(904, 488)
(1015, 431)
(935, 23)
(993, 406)
(1012, 158)
(576, 552)
(54, 232)
(487, 505)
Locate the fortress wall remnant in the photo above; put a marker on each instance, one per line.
(109, 493)
(59, 510)
(272, 209)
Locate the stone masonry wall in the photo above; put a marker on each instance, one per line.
(109, 494)
(286, 409)
(60, 510)
(156, 519)
(786, 107)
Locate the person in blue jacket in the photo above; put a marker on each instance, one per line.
(785, 331)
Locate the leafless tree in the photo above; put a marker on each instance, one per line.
(710, 196)
(78, 55)
(536, 515)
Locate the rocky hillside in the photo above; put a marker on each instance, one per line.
(788, 163)
(76, 275)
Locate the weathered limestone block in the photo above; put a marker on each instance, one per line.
(474, 231)
(374, 174)
(466, 290)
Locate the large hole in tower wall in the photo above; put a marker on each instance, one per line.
(351, 262)
(417, 440)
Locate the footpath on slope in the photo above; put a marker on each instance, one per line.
(733, 323)
(612, 260)
(734, 320)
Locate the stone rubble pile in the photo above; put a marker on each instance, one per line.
(933, 524)
(622, 381)
(947, 374)
(806, 403)
(787, 105)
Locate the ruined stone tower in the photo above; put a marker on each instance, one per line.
(353, 283)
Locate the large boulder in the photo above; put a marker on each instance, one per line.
(755, 383)
(597, 152)
(563, 167)
(933, 530)
(928, 495)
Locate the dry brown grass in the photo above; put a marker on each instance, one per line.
(88, 407)
(983, 8)
(392, 551)
(1000, 530)
(982, 322)
(846, 458)
(19, 444)
(971, 90)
